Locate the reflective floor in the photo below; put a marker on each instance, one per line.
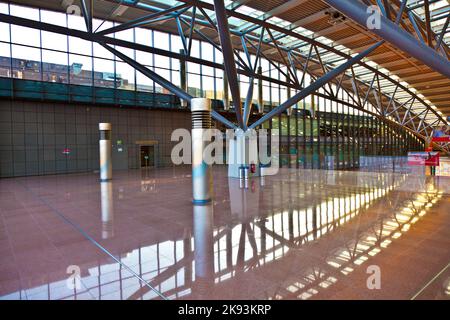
(302, 234)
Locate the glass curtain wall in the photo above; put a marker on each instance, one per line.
(319, 133)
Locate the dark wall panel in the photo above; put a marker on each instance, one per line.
(33, 136)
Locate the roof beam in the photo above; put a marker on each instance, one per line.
(314, 86)
(327, 31)
(87, 6)
(163, 82)
(395, 35)
(444, 29)
(228, 58)
(285, 7)
(428, 22)
(310, 19)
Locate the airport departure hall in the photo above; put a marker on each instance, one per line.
(225, 150)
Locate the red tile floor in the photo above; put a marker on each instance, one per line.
(302, 234)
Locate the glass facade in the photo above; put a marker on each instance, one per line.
(44, 56)
(320, 132)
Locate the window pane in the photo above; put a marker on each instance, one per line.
(219, 84)
(207, 51)
(100, 52)
(283, 94)
(146, 59)
(4, 27)
(266, 92)
(128, 52)
(54, 65)
(76, 22)
(104, 73)
(162, 67)
(4, 8)
(275, 95)
(60, 19)
(54, 41)
(26, 36)
(4, 32)
(127, 35)
(193, 79)
(24, 12)
(244, 84)
(143, 36)
(218, 56)
(80, 46)
(124, 76)
(176, 79)
(5, 60)
(176, 43)
(161, 40)
(80, 69)
(27, 64)
(208, 82)
(195, 49)
(176, 46)
(144, 83)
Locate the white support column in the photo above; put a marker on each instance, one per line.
(201, 171)
(243, 158)
(105, 152)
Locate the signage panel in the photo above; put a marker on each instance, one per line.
(423, 158)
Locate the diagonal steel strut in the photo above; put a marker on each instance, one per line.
(315, 85)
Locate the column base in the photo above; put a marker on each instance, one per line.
(243, 153)
(201, 202)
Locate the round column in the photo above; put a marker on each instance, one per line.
(225, 98)
(105, 152)
(201, 171)
(260, 93)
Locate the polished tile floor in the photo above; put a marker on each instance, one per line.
(302, 234)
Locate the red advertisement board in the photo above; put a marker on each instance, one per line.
(423, 158)
(441, 134)
(441, 139)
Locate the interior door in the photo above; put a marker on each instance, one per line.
(147, 156)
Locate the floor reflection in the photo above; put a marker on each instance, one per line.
(292, 236)
(107, 204)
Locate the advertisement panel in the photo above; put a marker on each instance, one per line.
(423, 158)
(441, 134)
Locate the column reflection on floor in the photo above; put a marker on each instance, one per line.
(107, 205)
(203, 225)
